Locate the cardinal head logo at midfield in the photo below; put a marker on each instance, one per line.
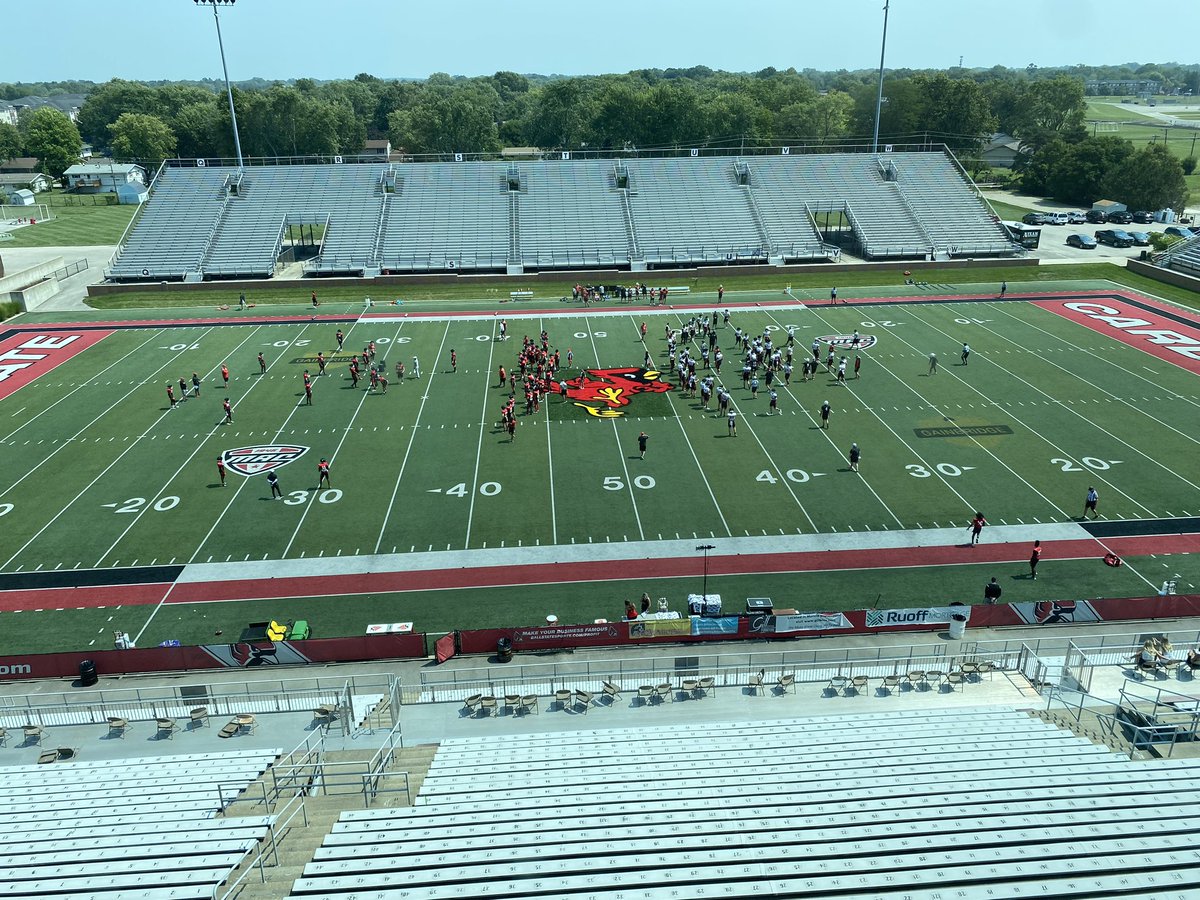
(603, 392)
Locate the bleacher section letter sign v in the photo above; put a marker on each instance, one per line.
(256, 460)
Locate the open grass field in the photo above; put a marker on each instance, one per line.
(102, 474)
(1137, 123)
(74, 226)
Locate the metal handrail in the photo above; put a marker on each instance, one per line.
(271, 842)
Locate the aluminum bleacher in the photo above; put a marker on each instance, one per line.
(170, 238)
(141, 827)
(1183, 257)
(950, 210)
(969, 803)
(446, 216)
(565, 214)
(571, 216)
(691, 211)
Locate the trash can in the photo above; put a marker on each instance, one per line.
(87, 673)
(504, 651)
(958, 623)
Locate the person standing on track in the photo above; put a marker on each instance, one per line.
(833, 295)
(1003, 289)
(1034, 558)
(721, 295)
(976, 527)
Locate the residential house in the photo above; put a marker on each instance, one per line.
(103, 177)
(35, 182)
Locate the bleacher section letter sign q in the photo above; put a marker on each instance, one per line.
(257, 460)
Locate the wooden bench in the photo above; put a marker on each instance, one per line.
(520, 295)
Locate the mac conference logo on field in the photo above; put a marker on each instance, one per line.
(256, 460)
(847, 341)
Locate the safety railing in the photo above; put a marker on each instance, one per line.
(276, 831)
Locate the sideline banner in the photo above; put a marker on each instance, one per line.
(644, 628)
(933, 615)
(557, 634)
(765, 624)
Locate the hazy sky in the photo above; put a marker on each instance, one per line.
(174, 39)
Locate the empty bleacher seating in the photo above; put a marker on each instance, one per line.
(970, 802)
(562, 215)
(133, 827)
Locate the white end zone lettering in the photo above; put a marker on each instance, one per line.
(1157, 335)
(28, 355)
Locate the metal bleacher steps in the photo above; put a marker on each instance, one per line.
(1183, 257)
(143, 827)
(560, 214)
(962, 803)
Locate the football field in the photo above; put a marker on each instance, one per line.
(102, 473)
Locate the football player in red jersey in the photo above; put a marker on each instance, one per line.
(221, 470)
(323, 473)
(228, 407)
(225, 375)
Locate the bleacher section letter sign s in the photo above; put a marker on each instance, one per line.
(257, 460)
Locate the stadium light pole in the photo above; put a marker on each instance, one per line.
(704, 584)
(879, 96)
(237, 143)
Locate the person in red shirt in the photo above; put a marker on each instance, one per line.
(374, 380)
(221, 470)
(225, 375)
(643, 330)
(323, 473)
(340, 338)
(353, 374)
(262, 365)
(320, 363)
(228, 407)
(171, 394)
(976, 527)
(503, 376)
(314, 299)
(307, 392)
(1034, 558)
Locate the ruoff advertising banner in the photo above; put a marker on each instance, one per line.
(896, 618)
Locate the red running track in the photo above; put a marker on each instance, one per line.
(566, 573)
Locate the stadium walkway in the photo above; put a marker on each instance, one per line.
(425, 723)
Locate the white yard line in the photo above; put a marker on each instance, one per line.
(695, 458)
(936, 408)
(482, 430)
(80, 387)
(245, 481)
(1065, 408)
(550, 467)
(71, 439)
(89, 485)
(333, 456)
(137, 517)
(620, 450)
(387, 513)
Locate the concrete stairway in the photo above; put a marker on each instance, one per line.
(298, 842)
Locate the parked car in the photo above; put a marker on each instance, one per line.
(1034, 218)
(1114, 237)
(1076, 218)
(1178, 231)
(1142, 217)
(1082, 241)
(1056, 218)
(1097, 216)
(1120, 218)
(1140, 238)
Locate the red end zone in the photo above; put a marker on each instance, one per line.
(1136, 326)
(28, 355)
